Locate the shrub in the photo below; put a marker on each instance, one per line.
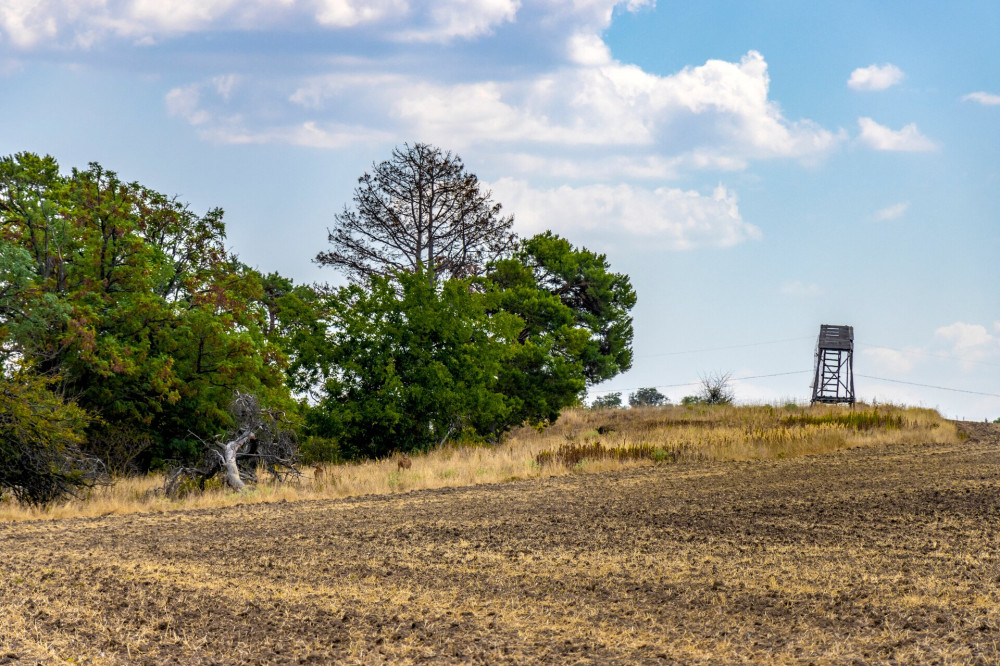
(647, 397)
(716, 389)
(320, 449)
(607, 401)
(39, 437)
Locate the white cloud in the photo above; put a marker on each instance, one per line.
(798, 288)
(225, 84)
(970, 342)
(984, 98)
(82, 23)
(307, 135)
(185, 103)
(26, 22)
(875, 77)
(663, 217)
(908, 139)
(349, 13)
(893, 212)
(717, 114)
(889, 361)
(449, 19)
(589, 49)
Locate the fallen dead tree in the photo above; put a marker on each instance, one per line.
(257, 441)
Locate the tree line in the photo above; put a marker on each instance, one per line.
(132, 338)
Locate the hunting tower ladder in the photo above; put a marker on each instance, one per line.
(833, 379)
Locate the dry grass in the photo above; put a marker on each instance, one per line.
(878, 555)
(581, 441)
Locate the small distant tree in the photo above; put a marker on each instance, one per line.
(716, 389)
(647, 397)
(690, 400)
(607, 401)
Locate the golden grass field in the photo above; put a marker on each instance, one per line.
(672, 433)
(884, 549)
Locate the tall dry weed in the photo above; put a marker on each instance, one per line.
(580, 441)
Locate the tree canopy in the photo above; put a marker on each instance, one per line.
(416, 365)
(132, 303)
(128, 330)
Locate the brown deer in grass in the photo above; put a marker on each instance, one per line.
(318, 473)
(404, 462)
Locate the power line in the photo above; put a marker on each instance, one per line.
(709, 349)
(940, 388)
(734, 379)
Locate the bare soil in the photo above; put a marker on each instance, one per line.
(874, 555)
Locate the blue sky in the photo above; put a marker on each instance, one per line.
(758, 169)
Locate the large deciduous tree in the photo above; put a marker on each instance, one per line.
(420, 210)
(134, 305)
(417, 364)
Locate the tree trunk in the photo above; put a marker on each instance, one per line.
(228, 453)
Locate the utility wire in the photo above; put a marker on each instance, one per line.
(940, 388)
(734, 379)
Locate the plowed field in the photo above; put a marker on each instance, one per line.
(888, 554)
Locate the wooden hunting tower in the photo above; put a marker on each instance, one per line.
(833, 380)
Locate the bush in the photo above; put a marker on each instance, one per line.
(320, 449)
(39, 436)
(607, 401)
(647, 397)
(716, 390)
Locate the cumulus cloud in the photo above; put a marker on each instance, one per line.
(32, 23)
(717, 114)
(449, 19)
(663, 217)
(875, 77)
(970, 342)
(984, 98)
(349, 13)
(908, 139)
(893, 212)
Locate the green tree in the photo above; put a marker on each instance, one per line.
(607, 401)
(416, 365)
(546, 371)
(135, 305)
(599, 300)
(647, 397)
(39, 438)
(296, 322)
(577, 328)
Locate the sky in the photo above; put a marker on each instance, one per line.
(757, 168)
